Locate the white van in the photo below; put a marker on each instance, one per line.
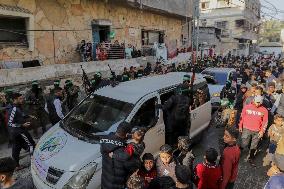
(68, 155)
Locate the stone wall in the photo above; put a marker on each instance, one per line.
(59, 25)
(18, 76)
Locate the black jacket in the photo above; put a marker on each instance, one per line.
(53, 117)
(170, 109)
(114, 170)
(239, 101)
(228, 93)
(16, 117)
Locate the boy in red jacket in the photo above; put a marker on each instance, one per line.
(253, 124)
(230, 158)
(148, 171)
(208, 174)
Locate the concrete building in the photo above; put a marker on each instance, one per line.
(271, 48)
(50, 30)
(210, 37)
(238, 21)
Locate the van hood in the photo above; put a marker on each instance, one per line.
(215, 89)
(59, 149)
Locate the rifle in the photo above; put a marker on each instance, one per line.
(113, 80)
(112, 72)
(86, 81)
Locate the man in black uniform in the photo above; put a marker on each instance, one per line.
(177, 109)
(17, 127)
(72, 94)
(229, 92)
(36, 102)
(56, 84)
(100, 82)
(114, 158)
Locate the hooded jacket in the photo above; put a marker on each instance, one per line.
(254, 118)
(114, 170)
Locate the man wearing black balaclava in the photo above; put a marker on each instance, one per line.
(36, 102)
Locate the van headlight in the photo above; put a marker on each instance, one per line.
(81, 179)
(216, 95)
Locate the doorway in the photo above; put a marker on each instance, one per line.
(100, 33)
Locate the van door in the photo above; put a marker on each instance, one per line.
(145, 115)
(201, 112)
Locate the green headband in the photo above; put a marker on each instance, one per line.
(99, 74)
(34, 83)
(186, 78)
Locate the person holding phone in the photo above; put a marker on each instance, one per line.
(17, 127)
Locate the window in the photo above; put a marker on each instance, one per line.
(150, 37)
(204, 5)
(165, 96)
(147, 116)
(223, 3)
(222, 24)
(95, 115)
(13, 31)
(201, 95)
(240, 23)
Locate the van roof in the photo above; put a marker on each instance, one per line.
(132, 91)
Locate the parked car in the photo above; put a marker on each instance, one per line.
(217, 78)
(68, 155)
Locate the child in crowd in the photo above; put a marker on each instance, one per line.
(166, 163)
(183, 175)
(230, 158)
(279, 155)
(7, 168)
(163, 182)
(135, 182)
(135, 149)
(208, 174)
(275, 132)
(183, 154)
(148, 170)
(276, 173)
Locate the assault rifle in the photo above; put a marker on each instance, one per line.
(113, 79)
(86, 81)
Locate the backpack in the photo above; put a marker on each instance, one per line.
(182, 108)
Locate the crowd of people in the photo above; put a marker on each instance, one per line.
(252, 103)
(106, 50)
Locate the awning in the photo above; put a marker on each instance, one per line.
(101, 22)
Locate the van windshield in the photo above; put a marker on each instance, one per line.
(95, 115)
(220, 77)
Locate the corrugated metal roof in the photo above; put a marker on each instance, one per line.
(271, 44)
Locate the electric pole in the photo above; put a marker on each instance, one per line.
(195, 29)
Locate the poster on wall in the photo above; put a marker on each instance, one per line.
(132, 32)
(112, 34)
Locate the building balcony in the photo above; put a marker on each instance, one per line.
(249, 35)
